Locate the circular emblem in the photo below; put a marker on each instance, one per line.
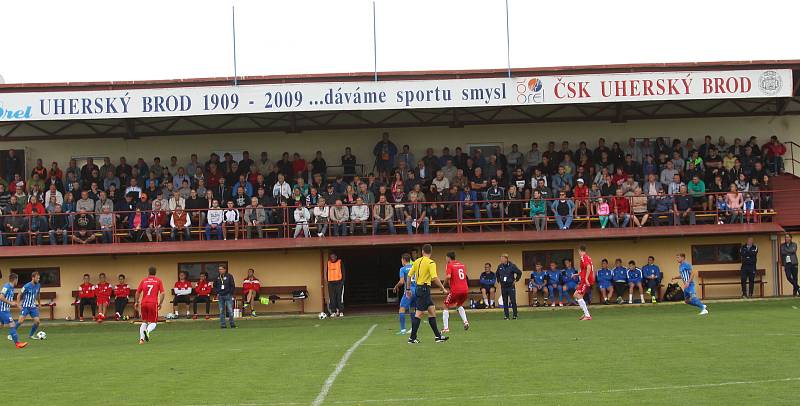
(770, 83)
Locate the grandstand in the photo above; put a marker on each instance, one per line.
(77, 126)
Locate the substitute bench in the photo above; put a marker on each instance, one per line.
(728, 274)
(283, 293)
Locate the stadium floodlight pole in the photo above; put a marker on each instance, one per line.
(233, 22)
(508, 43)
(374, 42)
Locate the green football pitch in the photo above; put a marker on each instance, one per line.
(742, 353)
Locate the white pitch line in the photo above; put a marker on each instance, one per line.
(339, 367)
(583, 392)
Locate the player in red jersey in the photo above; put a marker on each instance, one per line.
(121, 293)
(250, 288)
(202, 292)
(183, 294)
(586, 280)
(86, 296)
(457, 277)
(149, 297)
(102, 291)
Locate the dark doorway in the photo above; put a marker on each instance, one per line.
(369, 271)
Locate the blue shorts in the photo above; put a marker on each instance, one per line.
(604, 284)
(5, 318)
(409, 302)
(634, 281)
(488, 287)
(571, 285)
(538, 286)
(689, 292)
(30, 311)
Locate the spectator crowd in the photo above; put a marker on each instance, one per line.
(644, 182)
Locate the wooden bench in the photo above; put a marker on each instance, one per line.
(474, 286)
(50, 297)
(76, 303)
(728, 274)
(283, 293)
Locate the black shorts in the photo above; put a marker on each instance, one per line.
(488, 288)
(424, 300)
(202, 299)
(182, 299)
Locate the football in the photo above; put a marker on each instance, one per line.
(41, 335)
(323, 315)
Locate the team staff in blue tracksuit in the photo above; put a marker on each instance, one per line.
(749, 256)
(605, 281)
(508, 274)
(634, 281)
(553, 284)
(538, 283)
(652, 278)
(570, 279)
(620, 277)
(488, 281)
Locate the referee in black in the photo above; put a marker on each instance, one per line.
(749, 256)
(424, 273)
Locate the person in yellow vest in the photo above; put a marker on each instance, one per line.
(424, 273)
(335, 277)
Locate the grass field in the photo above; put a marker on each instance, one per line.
(742, 353)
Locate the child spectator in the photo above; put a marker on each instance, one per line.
(250, 289)
(121, 293)
(230, 219)
(605, 281)
(103, 291)
(183, 292)
(321, 215)
(301, 217)
(620, 278)
(202, 292)
(602, 212)
(86, 296)
(634, 281)
(553, 284)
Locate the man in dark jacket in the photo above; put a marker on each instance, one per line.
(749, 255)
(789, 261)
(508, 274)
(224, 286)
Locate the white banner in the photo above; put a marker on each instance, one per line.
(408, 94)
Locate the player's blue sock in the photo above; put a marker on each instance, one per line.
(13, 332)
(402, 321)
(696, 302)
(34, 327)
(551, 295)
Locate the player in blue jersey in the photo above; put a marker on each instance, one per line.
(28, 301)
(6, 301)
(634, 281)
(569, 283)
(620, 279)
(408, 299)
(652, 278)
(605, 281)
(538, 284)
(553, 284)
(687, 277)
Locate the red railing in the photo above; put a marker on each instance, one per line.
(442, 216)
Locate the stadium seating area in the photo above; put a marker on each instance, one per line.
(641, 184)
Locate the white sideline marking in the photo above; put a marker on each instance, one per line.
(339, 367)
(583, 392)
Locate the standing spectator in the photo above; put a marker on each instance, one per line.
(652, 278)
(385, 152)
(335, 278)
(789, 260)
(339, 217)
(121, 293)
(749, 256)
(348, 164)
(359, 215)
(301, 218)
(180, 223)
(87, 297)
(202, 290)
(383, 213)
(508, 274)
(256, 218)
(224, 286)
(214, 219)
(488, 281)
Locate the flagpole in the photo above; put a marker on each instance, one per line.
(374, 42)
(508, 43)
(233, 22)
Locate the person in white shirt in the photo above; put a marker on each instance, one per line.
(180, 223)
(176, 200)
(281, 188)
(214, 220)
(54, 192)
(230, 219)
(133, 188)
(359, 214)
(301, 217)
(321, 214)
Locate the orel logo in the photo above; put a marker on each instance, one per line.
(10, 113)
(770, 83)
(530, 91)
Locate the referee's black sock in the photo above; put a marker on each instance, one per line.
(414, 326)
(432, 322)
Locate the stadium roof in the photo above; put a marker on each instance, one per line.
(358, 119)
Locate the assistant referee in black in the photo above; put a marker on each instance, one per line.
(424, 273)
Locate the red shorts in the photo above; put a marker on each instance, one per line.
(455, 299)
(583, 289)
(103, 300)
(149, 312)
